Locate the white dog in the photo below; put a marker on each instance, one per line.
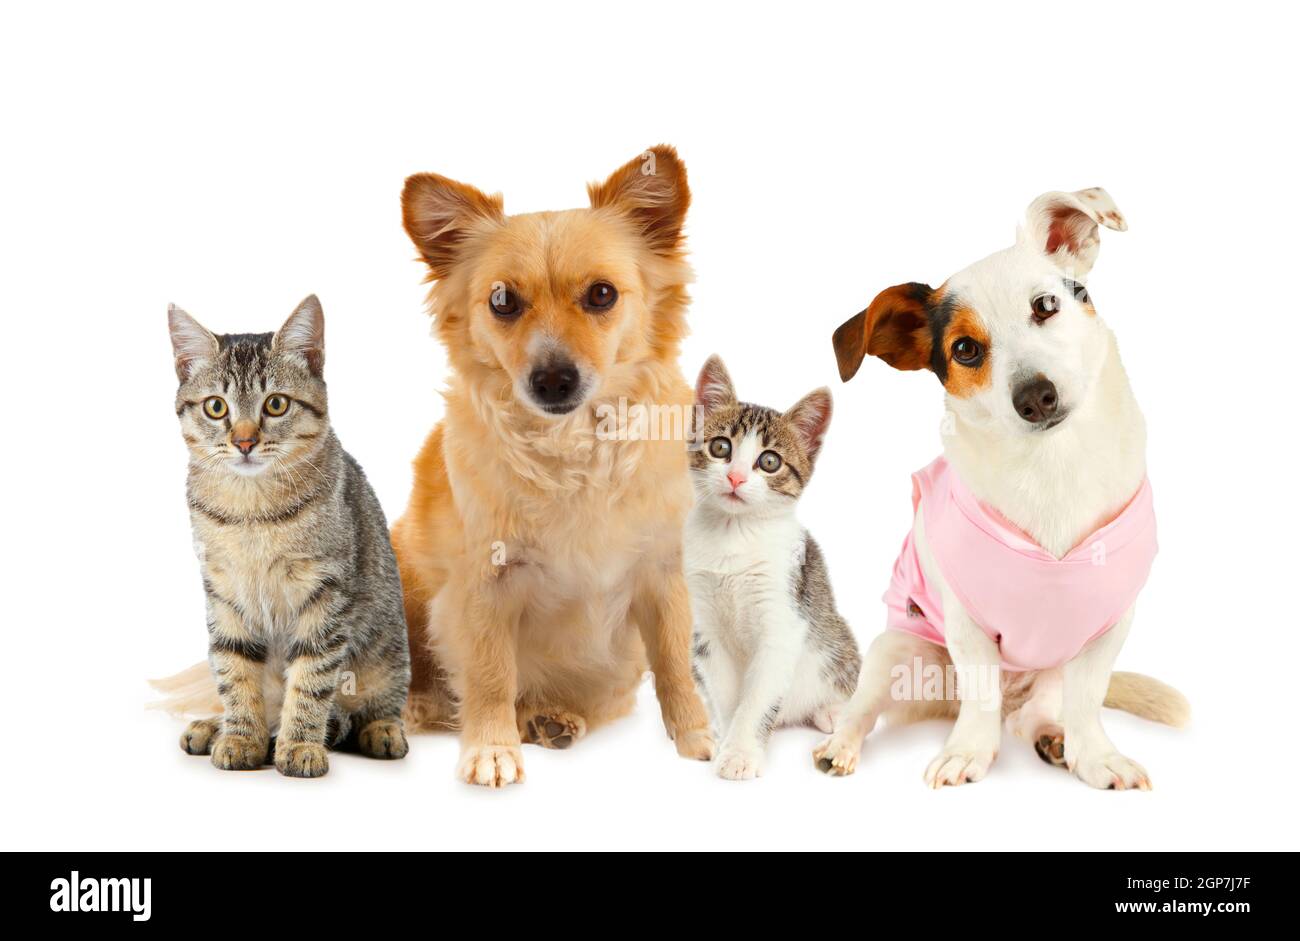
(1034, 532)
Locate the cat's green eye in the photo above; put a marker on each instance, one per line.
(720, 448)
(769, 462)
(215, 407)
(276, 405)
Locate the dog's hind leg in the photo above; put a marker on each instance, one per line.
(549, 726)
(838, 755)
(1038, 720)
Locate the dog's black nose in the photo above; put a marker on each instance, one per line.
(1035, 400)
(554, 384)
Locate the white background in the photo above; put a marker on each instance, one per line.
(234, 162)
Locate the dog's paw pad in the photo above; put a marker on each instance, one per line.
(1049, 744)
(554, 729)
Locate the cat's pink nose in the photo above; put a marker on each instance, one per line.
(736, 478)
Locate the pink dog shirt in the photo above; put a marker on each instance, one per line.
(1040, 611)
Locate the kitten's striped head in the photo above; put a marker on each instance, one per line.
(251, 401)
(753, 459)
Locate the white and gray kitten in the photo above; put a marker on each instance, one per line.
(770, 648)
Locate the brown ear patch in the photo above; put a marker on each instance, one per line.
(961, 380)
(894, 327)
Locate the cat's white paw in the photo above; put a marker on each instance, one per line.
(740, 764)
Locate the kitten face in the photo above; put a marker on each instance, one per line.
(753, 461)
(249, 403)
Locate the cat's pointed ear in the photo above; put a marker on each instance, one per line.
(303, 334)
(652, 191)
(1066, 227)
(440, 214)
(895, 327)
(192, 343)
(714, 389)
(810, 417)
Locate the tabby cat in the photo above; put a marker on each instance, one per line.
(306, 631)
(770, 648)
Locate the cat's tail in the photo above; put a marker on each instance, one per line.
(191, 692)
(1148, 698)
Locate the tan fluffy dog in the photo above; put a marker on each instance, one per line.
(540, 554)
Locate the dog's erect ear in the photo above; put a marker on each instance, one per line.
(303, 334)
(652, 191)
(1064, 226)
(895, 327)
(192, 343)
(439, 214)
(810, 417)
(714, 389)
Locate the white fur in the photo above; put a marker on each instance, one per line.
(740, 559)
(1058, 485)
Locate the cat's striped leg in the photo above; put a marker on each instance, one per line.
(238, 660)
(311, 678)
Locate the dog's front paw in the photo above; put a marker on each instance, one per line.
(199, 736)
(301, 759)
(697, 744)
(740, 764)
(957, 764)
(491, 765)
(238, 752)
(1111, 771)
(837, 756)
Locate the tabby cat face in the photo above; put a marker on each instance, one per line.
(251, 402)
(753, 460)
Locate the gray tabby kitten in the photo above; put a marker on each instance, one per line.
(770, 648)
(306, 630)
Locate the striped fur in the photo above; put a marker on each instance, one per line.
(306, 631)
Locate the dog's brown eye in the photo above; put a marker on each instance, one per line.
(215, 407)
(1045, 307)
(967, 351)
(276, 405)
(769, 462)
(505, 302)
(720, 448)
(600, 296)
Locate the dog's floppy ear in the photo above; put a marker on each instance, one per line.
(652, 191)
(439, 214)
(714, 388)
(1064, 226)
(192, 343)
(895, 327)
